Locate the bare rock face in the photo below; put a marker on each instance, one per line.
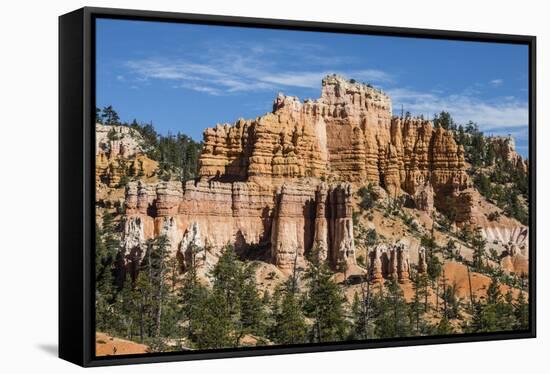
(514, 260)
(134, 238)
(119, 153)
(375, 261)
(389, 262)
(308, 215)
(402, 253)
(505, 148)
(290, 221)
(423, 196)
(117, 141)
(191, 248)
(139, 196)
(422, 265)
(169, 229)
(137, 229)
(169, 195)
(321, 222)
(279, 145)
(341, 224)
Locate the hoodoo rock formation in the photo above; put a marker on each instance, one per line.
(288, 221)
(282, 184)
(505, 148)
(118, 153)
(391, 261)
(348, 135)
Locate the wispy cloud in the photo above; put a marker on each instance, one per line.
(312, 79)
(217, 80)
(277, 65)
(254, 68)
(490, 115)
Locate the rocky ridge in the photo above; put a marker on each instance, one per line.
(281, 184)
(505, 148)
(119, 153)
(348, 134)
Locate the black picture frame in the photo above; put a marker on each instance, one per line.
(77, 183)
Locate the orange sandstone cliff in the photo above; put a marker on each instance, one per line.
(282, 183)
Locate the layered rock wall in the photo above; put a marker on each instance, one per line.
(119, 153)
(505, 148)
(347, 134)
(287, 222)
(283, 182)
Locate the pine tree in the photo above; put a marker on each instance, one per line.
(494, 295)
(227, 277)
(358, 318)
(98, 116)
(433, 263)
(107, 247)
(452, 302)
(153, 291)
(445, 120)
(444, 327)
(478, 243)
(103, 284)
(521, 312)
(393, 320)
(419, 305)
(477, 324)
(192, 295)
(290, 325)
(324, 302)
(361, 310)
(497, 314)
(109, 116)
(235, 283)
(143, 294)
(505, 311)
(215, 328)
(252, 311)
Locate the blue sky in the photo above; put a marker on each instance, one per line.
(189, 77)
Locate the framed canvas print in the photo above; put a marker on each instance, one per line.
(234, 186)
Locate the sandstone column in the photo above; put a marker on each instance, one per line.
(343, 247)
(402, 263)
(288, 228)
(321, 223)
(422, 266)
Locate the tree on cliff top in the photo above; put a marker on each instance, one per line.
(109, 116)
(445, 120)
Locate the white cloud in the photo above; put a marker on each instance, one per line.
(312, 79)
(488, 114)
(239, 75)
(220, 70)
(496, 82)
